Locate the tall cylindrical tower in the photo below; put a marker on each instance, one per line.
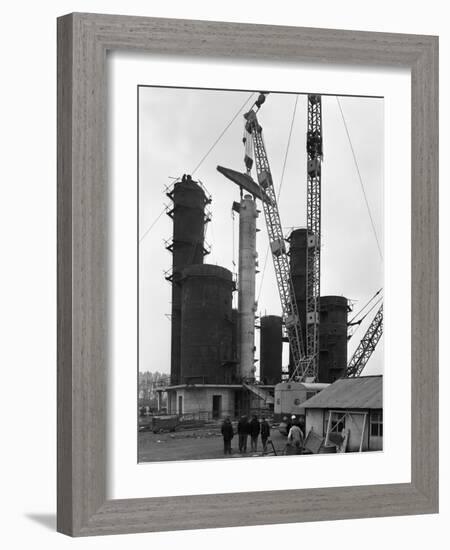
(271, 349)
(246, 286)
(333, 338)
(206, 325)
(187, 247)
(236, 335)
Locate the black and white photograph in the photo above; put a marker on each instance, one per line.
(224, 239)
(260, 273)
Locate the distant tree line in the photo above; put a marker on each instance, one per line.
(148, 384)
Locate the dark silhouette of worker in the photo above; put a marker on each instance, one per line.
(227, 433)
(243, 431)
(265, 433)
(255, 428)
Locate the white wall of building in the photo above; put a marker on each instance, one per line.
(316, 419)
(200, 400)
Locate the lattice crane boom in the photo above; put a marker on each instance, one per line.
(314, 165)
(276, 238)
(367, 346)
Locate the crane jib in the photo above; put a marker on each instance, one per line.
(277, 241)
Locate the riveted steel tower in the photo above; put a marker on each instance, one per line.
(187, 247)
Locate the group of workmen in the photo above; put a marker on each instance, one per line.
(246, 428)
(254, 429)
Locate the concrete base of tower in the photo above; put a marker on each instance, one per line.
(216, 401)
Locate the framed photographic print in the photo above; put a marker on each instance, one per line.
(247, 274)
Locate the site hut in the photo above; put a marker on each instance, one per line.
(348, 414)
(291, 396)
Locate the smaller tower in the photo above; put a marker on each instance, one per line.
(271, 349)
(333, 338)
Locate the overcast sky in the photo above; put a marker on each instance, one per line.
(176, 129)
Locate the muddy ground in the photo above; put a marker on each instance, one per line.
(200, 443)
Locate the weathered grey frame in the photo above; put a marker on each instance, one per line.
(83, 40)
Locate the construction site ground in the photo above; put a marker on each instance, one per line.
(200, 443)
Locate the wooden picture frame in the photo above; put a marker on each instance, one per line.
(83, 40)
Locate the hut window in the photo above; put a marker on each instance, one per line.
(376, 424)
(337, 421)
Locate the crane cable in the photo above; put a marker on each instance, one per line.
(372, 308)
(358, 323)
(360, 178)
(201, 161)
(222, 134)
(279, 190)
(152, 225)
(363, 308)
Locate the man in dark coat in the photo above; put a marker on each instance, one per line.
(265, 433)
(243, 430)
(254, 433)
(228, 433)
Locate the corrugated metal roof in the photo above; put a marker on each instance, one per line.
(363, 392)
(288, 386)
